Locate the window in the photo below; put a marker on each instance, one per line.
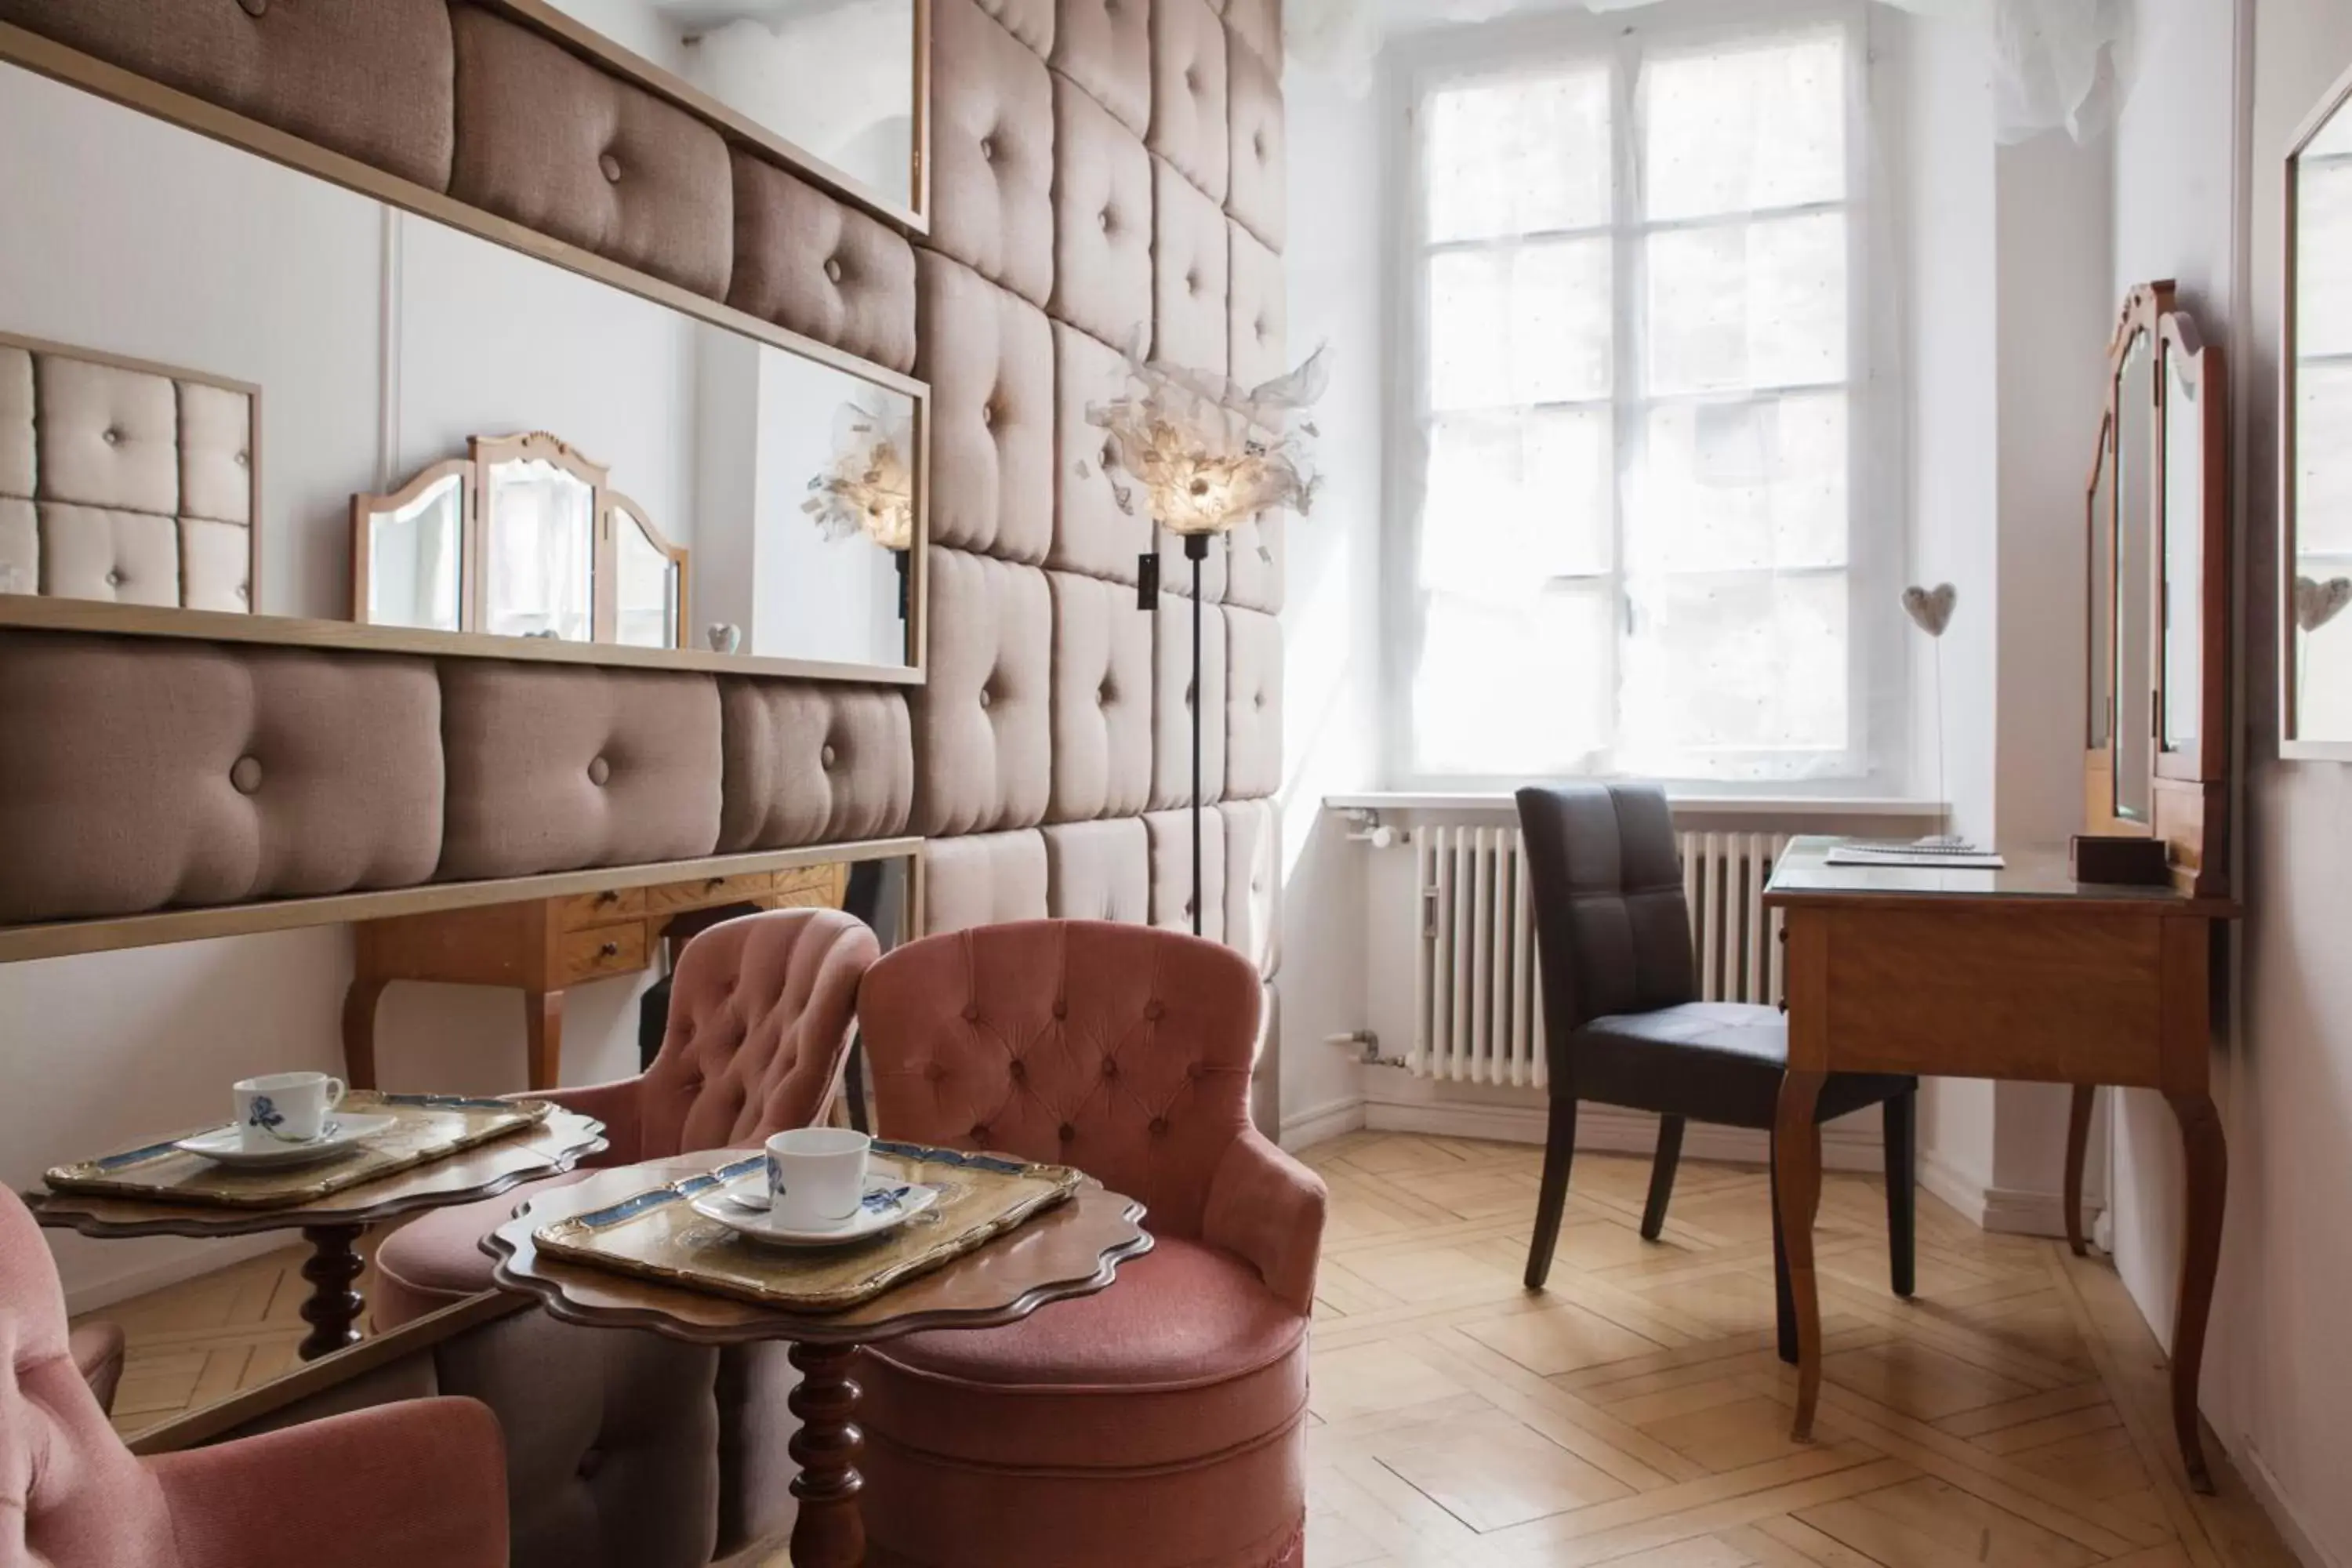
(1636, 263)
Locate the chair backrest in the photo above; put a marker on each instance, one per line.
(1612, 929)
(759, 1012)
(70, 1493)
(1121, 1049)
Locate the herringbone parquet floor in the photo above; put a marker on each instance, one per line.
(1633, 1414)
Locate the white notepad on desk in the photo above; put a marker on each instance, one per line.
(1948, 856)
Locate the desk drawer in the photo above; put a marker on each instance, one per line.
(808, 887)
(703, 891)
(603, 950)
(599, 909)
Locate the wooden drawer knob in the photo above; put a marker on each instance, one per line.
(610, 950)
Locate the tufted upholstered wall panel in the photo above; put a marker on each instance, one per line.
(984, 879)
(1170, 836)
(1252, 703)
(811, 764)
(1104, 47)
(992, 151)
(552, 142)
(989, 357)
(1188, 92)
(1252, 888)
(1256, 26)
(316, 71)
(1254, 572)
(817, 266)
(1102, 221)
(1191, 255)
(1102, 698)
(138, 774)
(1258, 161)
(1097, 870)
(1171, 703)
(1093, 533)
(982, 723)
(1257, 311)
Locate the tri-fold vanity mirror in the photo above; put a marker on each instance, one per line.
(2156, 757)
(2316, 439)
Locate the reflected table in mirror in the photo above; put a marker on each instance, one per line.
(1070, 1250)
(332, 1225)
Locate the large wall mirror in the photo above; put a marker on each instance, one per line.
(840, 83)
(529, 450)
(2316, 470)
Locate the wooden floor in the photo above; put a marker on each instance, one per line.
(1633, 1414)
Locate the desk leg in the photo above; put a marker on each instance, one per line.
(333, 1309)
(2208, 1160)
(542, 1023)
(2078, 1146)
(359, 1029)
(1797, 1181)
(830, 1531)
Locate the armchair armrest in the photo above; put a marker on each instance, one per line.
(1268, 1209)
(613, 1104)
(396, 1486)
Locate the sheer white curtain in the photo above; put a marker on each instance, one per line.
(1640, 406)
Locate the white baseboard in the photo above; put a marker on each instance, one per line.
(1303, 1129)
(2011, 1211)
(2272, 1501)
(1395, 1101)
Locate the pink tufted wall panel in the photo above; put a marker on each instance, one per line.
(813, 764)
(1254, 579)
(1097, 870)
(1093, 533)
(1171, 725)
(992, 151)
(1102, 700)
(1253, 704)
(984, 879)
(1104, 47)
(1252, 888)
(1170, 836)
(1102, 221)
(1256, 25)
(1188, 92)
(1191, 255)
(982, 722)
(1031, 21)
(1256, 191)
(1257, 311)
(989, 357)
(819, 267)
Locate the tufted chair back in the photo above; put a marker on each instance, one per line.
(1612, 927)
(1120, 1049)
(760, 1014)
(66, 1480)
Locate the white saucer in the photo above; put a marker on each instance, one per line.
(880, 1213)
(225, 1145)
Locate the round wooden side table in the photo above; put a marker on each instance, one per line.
(333, 1225)
(1073, 1249)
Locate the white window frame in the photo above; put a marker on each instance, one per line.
(1876, 761)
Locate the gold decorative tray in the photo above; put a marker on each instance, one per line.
(656, 1235)
(427, 1127)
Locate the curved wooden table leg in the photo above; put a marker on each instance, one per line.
(830, 1531)
(1797, 1181)
(2078, 1145)
(359, 1029)
(2208, 1160)
(333, 1308)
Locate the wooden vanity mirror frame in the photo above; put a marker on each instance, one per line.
(2144, 310)
(2201, 365)
(615, 510)
(2292, 747)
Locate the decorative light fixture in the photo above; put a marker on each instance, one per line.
(870, 487)
(1210, 454)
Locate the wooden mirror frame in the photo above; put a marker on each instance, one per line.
(475, 523)
(2142, 316)
(2182, 348)
(2292, 746)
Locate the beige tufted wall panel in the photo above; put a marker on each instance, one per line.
(1031, 21)
(1258, 159)
(1093, 533)
(811, 764)
(108, 437)
(992, 151)
(983, 880)
(1252, 703)
(18, 466)
(1191, 256)
(215, 464)
(1256, 25)
(20, 546)
(216, 565)
(1257, 311)
(1104, 47)
(1098, 871)
(1170, 836)
(98, 552)
(1255, 578)
(549, 140)
(1171, 724)
(989, 357)
(1102, 221)
(983, 726)
(817, 266)
(1253, 833)
(1188, 92)
(1102, 700)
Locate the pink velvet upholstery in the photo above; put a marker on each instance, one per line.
(400, 1485)
(759, 1012)
(1159, 1423)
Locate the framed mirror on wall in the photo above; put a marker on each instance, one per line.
(2316, 441)
(2121, 614)
(838, 89)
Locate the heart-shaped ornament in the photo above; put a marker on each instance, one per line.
(1930, 608)
(2316, 603)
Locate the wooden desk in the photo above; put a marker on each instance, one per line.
(542, 945)
(2018, 974)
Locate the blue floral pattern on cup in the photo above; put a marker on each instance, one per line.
(265, 1114)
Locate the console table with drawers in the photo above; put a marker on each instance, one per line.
(541, 946)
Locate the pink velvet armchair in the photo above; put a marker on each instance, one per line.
(1161, 1422)
(397, 1486)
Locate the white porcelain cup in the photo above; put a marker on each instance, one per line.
(816, 1175)
(284, 1107)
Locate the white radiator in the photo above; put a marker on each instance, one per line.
(1478, 998)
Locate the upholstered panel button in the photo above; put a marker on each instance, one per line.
(826, 758)
(985, 697)
(113, 578)
(1110, 1067)
(254, 8)
(599, 771)
(110, 435)
(972, 1012)
(244, 776)
(988, 148)
(1159, 1124)
(833, 269)
(611, 167)
(1061, 1008)
(1154, 1009)
(1069, 1134)
(979, 1133)
(593, 1459)
(935, 1072)
(1020, 1070)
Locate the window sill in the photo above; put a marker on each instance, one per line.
(1784, 808)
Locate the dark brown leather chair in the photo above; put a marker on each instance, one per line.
(1625, 1026)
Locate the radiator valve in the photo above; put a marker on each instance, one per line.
(1368, 828)
(1364, 1043)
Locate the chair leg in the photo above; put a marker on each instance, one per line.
(1784, 1300)
(1902, 1137)
(1559, 1148)
(1662, 1175)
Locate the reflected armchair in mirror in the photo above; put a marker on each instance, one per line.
(125, 480)
(523, 537)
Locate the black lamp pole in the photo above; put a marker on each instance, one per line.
(1196, 550)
